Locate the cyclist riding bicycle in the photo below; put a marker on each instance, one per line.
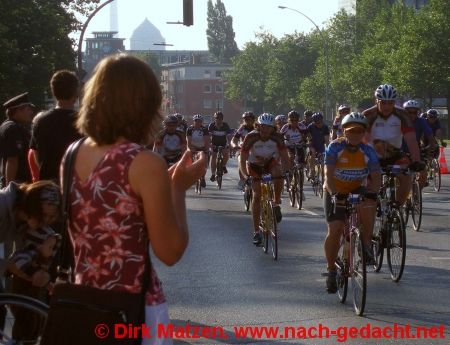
(388, 125)
(198, 139)
(319, 138)
(170, 143)
(248, 125)
(307, 118)
(337, 123)
(424, 135)
(350, 167)
(294, 133)
(260, 153)
(220, 136)
(433, 121)
(182, 123)
(280, 121)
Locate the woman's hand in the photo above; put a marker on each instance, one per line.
(184, 173)
(40, 278)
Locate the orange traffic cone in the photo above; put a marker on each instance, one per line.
(442, 161)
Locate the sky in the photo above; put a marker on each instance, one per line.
(249, 17)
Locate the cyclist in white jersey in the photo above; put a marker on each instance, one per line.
(198, 139)
(294, 133)
(337, 130)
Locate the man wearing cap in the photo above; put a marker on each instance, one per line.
(14, 140)
(55, 130)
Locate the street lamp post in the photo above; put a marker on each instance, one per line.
(82, 73)
(325, 50)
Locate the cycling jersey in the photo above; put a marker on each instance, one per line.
(318, 136)
(241, 133)
(182, 127)
(423, 132)
(337, 127)
(293, 135)
(171, 144)
(219, 135)
(197, 136)
(351, 168)
(434, 126)
(262, 151)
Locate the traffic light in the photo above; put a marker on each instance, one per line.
(188, 12)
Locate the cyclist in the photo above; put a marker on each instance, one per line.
(432, 117)
(319, 138)
(388, 125)
(280, 121)
(294, 133)
(182, 124)
(198, 139)
(248, 125)
(220, 136)
(348, 164)
(307, 118)
(260, 153)
(424, 135)
(170, 143)
(337, 131)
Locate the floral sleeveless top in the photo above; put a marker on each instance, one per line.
(107, 227)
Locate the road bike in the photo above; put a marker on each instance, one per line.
(248, 193)
(351, 260)
(198, 183)
(268, 221)
(14, 310)
(389, 228)
(219, 166)
(295, 180)
(317, 181)
(413, 205)
(434, 173)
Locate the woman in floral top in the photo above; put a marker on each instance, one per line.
(122, 195)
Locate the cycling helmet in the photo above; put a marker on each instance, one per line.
(266, 119)
(197, 117)
(307, 113)
(293, 115)
(218, 114)
(386, 92)
(170, 119)
(354, 118)
(432, 113)
(317, 117)
(248, 114)
(280, 118)
(343, 106)
(178, 116)
(423, 115)
(411, 104)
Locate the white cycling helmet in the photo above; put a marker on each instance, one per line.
(411, 104)
(266, 119)
(344, 106)
(386, 92)
(354, 118)
(197, 117)
(281, 118)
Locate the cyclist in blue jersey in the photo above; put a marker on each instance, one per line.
(319, 138)
(220, 136)
(433, 121)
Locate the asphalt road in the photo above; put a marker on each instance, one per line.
(223, 280)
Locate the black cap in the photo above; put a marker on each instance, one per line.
(17, 101)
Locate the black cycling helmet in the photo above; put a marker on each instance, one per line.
(248, 114)
(170, 119)
(218, 114)
(317, 117)
(293, 115)
(307, 113)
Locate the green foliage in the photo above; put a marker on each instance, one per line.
(151, 58)
(220, 33)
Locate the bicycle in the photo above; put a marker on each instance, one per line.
(219, 166)
(413, 205)
(198, 183)
(351, 260)
(295, 184)
(434, 174)
(389, 228)
(268, 222)
(317, 181)
(248, 193)
(12, 306)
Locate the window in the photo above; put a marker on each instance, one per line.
(219, 88)
(207, 88)
(207, 74)
(207, 103)
(219, 74)
(219, 104)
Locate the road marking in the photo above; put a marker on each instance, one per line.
(439, 258)
(308, 212)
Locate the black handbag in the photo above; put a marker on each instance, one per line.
(86, 315)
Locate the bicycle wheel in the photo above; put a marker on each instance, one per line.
(299, 189)
(342, 272)
(247, 197)
(219, 172)
(291, 187)
(377, 241)
(273, 231)
(358, 272)
(436, 171)
(396, 244)
(416, 205)
(322, 176)
(23, 319)
(263, 227)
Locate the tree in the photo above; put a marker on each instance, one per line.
(220, 32)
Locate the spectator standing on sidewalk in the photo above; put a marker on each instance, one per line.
(54, 130)
(122, 194)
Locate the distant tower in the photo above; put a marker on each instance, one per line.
(144, 37)
(113, 19)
